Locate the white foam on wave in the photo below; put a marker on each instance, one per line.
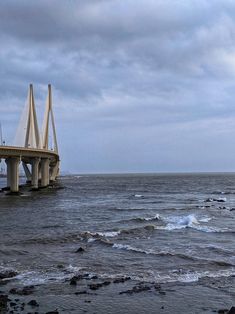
(180, 222)
(131, 248)
(138, 195)
(93, 236)
(188, 221)
(109, 234)
(39, 278)
(156, 217)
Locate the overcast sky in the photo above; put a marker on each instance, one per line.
(138, 85)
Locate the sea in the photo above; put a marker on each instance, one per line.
(123, 243)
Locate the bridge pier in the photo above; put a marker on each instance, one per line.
(45, 175)
(35, 172)
(13, 173)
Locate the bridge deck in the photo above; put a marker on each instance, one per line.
(26, 153)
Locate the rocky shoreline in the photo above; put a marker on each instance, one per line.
(90, 289)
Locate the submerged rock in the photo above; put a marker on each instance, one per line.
(80, 292)
(95, 286)
(121, 280)
(33, 303)
(3, 303)
(136, 289)
(7, 274)
(232, 310)
(73, 281)
(24, 291)
(80, 250)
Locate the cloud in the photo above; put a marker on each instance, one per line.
(126, 74)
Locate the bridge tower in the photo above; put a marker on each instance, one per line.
(49, 117)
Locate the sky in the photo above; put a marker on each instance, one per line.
(138, 85)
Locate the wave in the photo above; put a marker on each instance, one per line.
(191, 276)
(219, 199)
(188, 221)
(141, 219)
(128, 247)
(97, 235)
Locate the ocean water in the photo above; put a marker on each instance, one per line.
(172, 229)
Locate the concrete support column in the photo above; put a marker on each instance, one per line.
(45, 176)
(35, 172)
(13, 173)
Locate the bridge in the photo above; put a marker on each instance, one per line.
(40, 163)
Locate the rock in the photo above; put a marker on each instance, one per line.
(53, 312)
(80, 250)
(12, 303)
(223, 311)
(25, 291)
(136, 289)
(95, 286)
(106, 283)
(232, 310)
(60, 266)
(33, 303)
(121, 280)
(73, 281)
(3, 303)
(80, 292)
(7, 274)
(93, 277)
(157, 287)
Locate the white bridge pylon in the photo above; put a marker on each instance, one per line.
(32, 137)
(45, 129)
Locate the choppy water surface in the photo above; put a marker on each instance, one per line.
(153, 228)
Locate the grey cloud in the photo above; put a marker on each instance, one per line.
(146, 79)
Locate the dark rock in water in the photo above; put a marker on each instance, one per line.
(223, 311)
(232, 310)
(209, 200)
(81, 292)
(157, 287)
(25, 291)
(136, 289)
(8, 274)
(33, 303)
(106, 283)
(73, 281)
(231, 209)
(80, 250)
(121, 280)
(53, 312)
(95, 286)
(60, 266)
(12, 303)
(3, 303)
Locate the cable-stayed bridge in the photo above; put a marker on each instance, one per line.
(31, 148)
